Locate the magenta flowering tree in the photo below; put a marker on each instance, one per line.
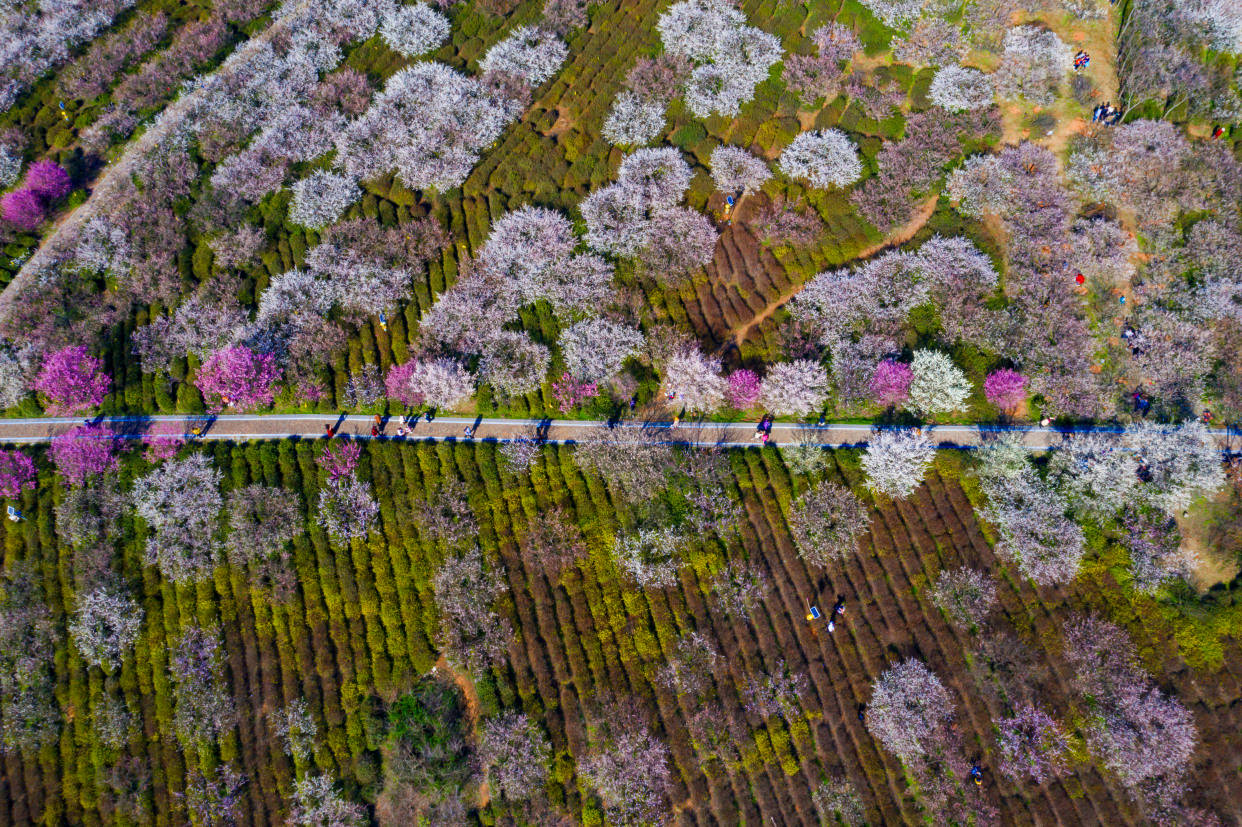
(237, 376)
(48, 180)
(339, 459)
(86, 451)
(890, 384)
(1005, 388)
(570, 393)
(17, 473)
(397, 384)
(22, 208)
(742, 390)
(73, 381)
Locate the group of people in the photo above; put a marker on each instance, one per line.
(405, 425)
(1081, 60)
(1106, 114)
(764, 430)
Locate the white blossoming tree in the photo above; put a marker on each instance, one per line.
(896, 461)
(736, 170)
(937, 385)
(827, 158)
(960, 88)
(529, 53)
(322, 198)
(695, 380)
(414, 30)
(634, 120)
(794, 388)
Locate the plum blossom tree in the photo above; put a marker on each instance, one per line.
(322, 198)
(85, 452)
(739, 589)
(743, 389)
(48, 180)
(777, 691)
(634, 119)
(10, 166)
(514, 753)
(1033, 66)
(471, 633)
(530, 53)
(347, 510)
(72, 381)
(514, 363)
(429, 124)
(826, 158)
(634, 464)
(181, 502)
(1096, 473)
(1155, 546)
(650, 556)
(936, 384)
(446, 516)
(1036, 534)
(966, 595)
(1032, 744)
(239, 378)
(16, 372)
(695, 380)
(295, 728)
(414, 30)
(626, 766)
(339, 459)
(105, 624)
(595, 349)
(678, 240)
(736, 170)
(827, 522)
(960, 88)
(689, 668)
(27, 642)
(317, 803)
(440, 383)
(1006, 389)
(895, 462)
(1179, 463)
(796, 388)
(909, 710)
(890, 384)
(262, 520)
(552, 541)
(23, 209)
(729, 57)
(17, 473)
(202, 710)
(836, 799)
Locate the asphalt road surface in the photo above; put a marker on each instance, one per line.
(242, 427)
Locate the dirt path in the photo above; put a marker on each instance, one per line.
(113, 178)
(466, 685)
(247, 427)
(899, 236)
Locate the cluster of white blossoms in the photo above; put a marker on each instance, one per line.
(730, 58)
(827, 158)
(529, 53)
(430, 124)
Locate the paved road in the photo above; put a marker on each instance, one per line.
(240, 427)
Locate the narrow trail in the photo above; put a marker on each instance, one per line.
(901, 235)
(114, 176)
(247, 427)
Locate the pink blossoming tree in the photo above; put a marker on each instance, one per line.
(22, 208)
(17, 473)
(743, 389)
(73, 381)
(890, 384)
(239, 377)
(1006, 389)
(86, 451)
(570, 393)
(339, 459)
(48, 180)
